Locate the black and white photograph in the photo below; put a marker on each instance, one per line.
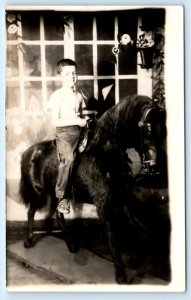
(95, 148)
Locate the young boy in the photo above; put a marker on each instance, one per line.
(65, 104)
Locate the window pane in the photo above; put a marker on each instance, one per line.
(32, 61)
(152, 18)
(52, 86)
(86, 87)
(83, 23)
(127, 60)
(84, 59)
(53, 55)
(127, 22)
(106, 94)
(127, 87)
(12, 61)
(30, 25)
(12, 94)
(54, 26)
(33, 96)
(105, 26)
(105, 60)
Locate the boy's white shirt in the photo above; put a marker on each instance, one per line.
(64, 107)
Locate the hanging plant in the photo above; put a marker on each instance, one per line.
(144, 44)
(145, 40)
(150, 45)
(158, 68)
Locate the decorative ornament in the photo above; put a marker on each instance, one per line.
(123, 39)
(12, 29)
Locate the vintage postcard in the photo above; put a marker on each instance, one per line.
(95, 184)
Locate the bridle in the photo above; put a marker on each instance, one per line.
(148, 165)
(91, 116)
(142, 122)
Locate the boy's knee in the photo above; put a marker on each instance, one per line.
(62, 159)
(67, 159)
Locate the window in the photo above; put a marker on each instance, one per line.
(43, 38)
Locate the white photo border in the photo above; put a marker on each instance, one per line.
(179, 152)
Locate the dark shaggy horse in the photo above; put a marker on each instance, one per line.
(102, 175)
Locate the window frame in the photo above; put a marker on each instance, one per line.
(143, 77)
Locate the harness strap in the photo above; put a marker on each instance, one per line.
(141, 123)
(145, 115)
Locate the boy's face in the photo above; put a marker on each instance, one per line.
(68, 76)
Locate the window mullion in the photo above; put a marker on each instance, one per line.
(95, 58)
(117, 64)
(21, 67)
(68, 36)
(43, 62)
(144, 82)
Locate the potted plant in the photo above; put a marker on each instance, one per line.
(145, 45)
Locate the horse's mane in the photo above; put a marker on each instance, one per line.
(119, 124)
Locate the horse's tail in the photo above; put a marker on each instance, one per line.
(25, 189)
(31, 183)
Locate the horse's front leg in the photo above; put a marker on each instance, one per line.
(120, 275)
(71, 241)
(97, 181)
(29, 242)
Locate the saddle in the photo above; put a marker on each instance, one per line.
(87, 131)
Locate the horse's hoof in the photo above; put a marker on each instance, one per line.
(120, 277)
(73, 247)
(121, 280)
(130, 280)
(28, 243)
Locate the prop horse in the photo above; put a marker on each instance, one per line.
(102, 175)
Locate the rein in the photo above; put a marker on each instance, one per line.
(86, 135)
(148, 165)
(142, 122)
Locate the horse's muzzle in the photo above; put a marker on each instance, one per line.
(150, 167)
(149, 164)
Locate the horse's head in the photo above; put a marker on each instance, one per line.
(152, 127)
(135, 122)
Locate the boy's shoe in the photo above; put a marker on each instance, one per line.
(64, 206)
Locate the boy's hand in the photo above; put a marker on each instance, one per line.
(82, 122)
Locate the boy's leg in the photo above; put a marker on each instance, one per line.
(63, 181)
(66, 142)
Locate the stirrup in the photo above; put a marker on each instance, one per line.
(63, 206)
